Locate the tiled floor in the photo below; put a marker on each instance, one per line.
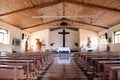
(64, 70)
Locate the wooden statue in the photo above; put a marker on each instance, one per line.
(26, 45)
(89, 43)
(38, 45)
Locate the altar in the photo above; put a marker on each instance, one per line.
(64, 49)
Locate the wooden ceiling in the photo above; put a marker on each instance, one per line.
(96, 15)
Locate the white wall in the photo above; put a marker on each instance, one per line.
(83, 35)
(70, 39)
(43, 35)
(13, 33)
(113, 47)
(102, 47)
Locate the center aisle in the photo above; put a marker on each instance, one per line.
(64, 69)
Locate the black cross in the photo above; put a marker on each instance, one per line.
(63, 33)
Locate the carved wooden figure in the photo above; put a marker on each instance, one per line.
(38, 45)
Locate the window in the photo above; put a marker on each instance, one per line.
(103, 39)
(3, 36)
(117, 37)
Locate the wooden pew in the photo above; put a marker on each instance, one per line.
(24, 63)
(40, 61)
(35, 67)
(107, 68)
(86, 58)
(45, 58)
(100, 67)
(5, 57)
(95, 61)
(97, 68)
(89, 60)
(114, 73)
(11, 72)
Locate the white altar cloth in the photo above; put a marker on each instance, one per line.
(63, 49)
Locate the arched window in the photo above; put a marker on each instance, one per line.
(3, 36)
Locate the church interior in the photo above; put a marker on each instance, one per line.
(59, 39)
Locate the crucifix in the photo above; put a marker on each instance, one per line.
(63, 33)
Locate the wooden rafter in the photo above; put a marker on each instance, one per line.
(42, 24)
(86, 23)
(90, 5)
(71, 28)
(65, 20)
(37, 6)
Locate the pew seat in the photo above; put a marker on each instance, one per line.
(11, 72)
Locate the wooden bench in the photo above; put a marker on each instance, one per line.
(11, 72)
(90, 61)
(33, 63)
(24, 63)
(114, 73)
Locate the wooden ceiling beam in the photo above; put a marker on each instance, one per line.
(71, 28)
(86, 23)
(90, 5)
(37, 6)
(60, 20)
(41, 24)
(53, 29)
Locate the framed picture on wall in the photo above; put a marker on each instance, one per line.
(16, 42)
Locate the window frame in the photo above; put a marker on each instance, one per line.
(4, 34)
(116, 35)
